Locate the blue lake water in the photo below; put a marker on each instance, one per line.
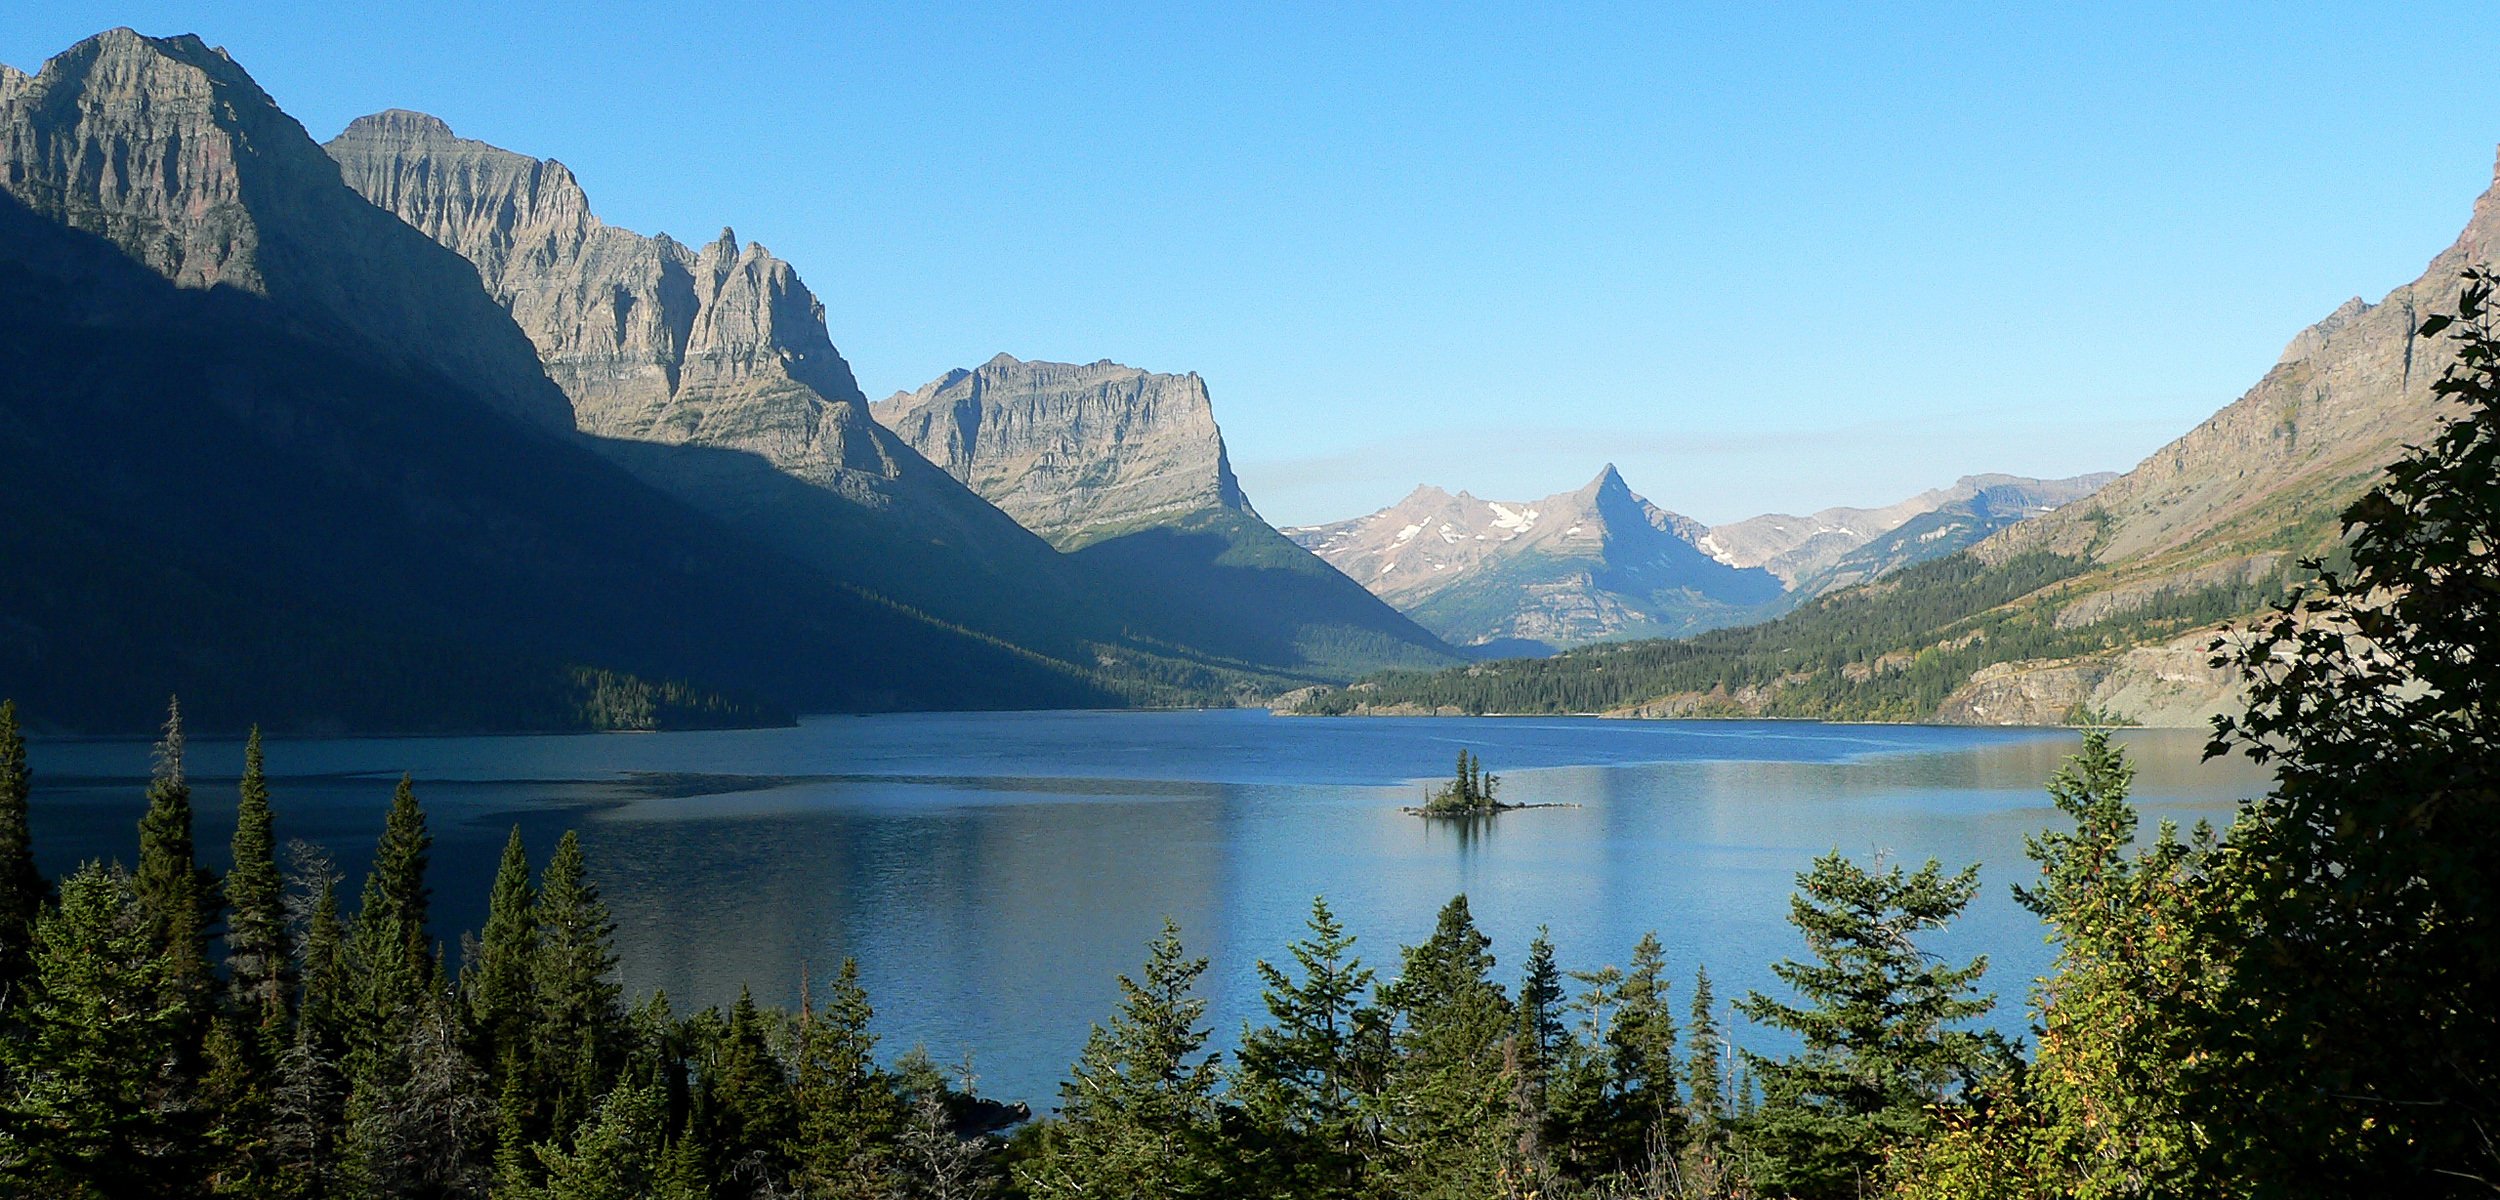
(993, 873)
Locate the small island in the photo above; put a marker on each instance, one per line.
(1469, 793)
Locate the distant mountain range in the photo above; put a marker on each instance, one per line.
(1605, 563)
(2100, 609)
(400, 435)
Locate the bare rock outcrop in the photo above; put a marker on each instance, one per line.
(2170, 684)
(650, 338)
(1073, 452)
(169, 150)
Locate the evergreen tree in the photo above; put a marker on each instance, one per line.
(1447, 1098)
(259, 961)
(172, 889)
(581, 1015)
(251, 1036)
(623, 1152)
(1705, 1085)
(1879, 1045)
(1300, 1080)
(1643, 1045)
(497, 985)
(386, 985)
(95, 1107)
(22, 889)
(2356, 1043)
(396, 893)
(845, 1114)
(1138, 1114)
(743, 1118)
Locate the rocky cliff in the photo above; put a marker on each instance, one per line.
(1072, 452)
(169, 150)
(665, 348)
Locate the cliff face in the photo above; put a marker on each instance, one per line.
(167, 149)
(651, 339)
(1579, 566)
(2347, 396)
(2257, 485)
(707, 370)
(1073, 452)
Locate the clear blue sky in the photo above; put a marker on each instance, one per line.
(1762, 256)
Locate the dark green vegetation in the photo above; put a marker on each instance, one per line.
(1886, 651)
(1469, 793)
(1241, 596)
(2308, 1007)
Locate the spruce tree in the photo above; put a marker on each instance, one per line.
(172, 889)
(1879, 1045)
(623, 1152)
(96, 1105)
(498, 984)
(259, 961)
(580, 1013)
(1301, 1080)
(1448, 1091)
(1705, 1084)
(1643, 1044)
(742, 1103)
(845, 1116)
(22, 889)
(1138, 1113)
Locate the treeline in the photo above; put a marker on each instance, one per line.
(1891, 650)
(166, 1031)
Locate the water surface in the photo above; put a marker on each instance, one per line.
(992, 873)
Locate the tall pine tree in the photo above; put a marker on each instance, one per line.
(1138, 1113)
(581, 1011)
(1447, 1100)
(846, 1117)
(1302, 1080)
(1880, 1047)
(173, 891)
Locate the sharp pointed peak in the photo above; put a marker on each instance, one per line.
(1001, 361)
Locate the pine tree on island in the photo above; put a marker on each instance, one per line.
(1470, 792)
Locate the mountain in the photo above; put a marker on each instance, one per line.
(1581, 566)
(2101, 608)
(657, 345)
(1603, 563)
(269, 447)
(1126, 470)
(1841, 546)
(1073, 453)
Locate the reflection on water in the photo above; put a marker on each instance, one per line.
(992, 873)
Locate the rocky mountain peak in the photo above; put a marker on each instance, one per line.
(1073, 451)
(650, 338)
(168, 149)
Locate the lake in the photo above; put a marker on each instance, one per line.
(993, 873)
